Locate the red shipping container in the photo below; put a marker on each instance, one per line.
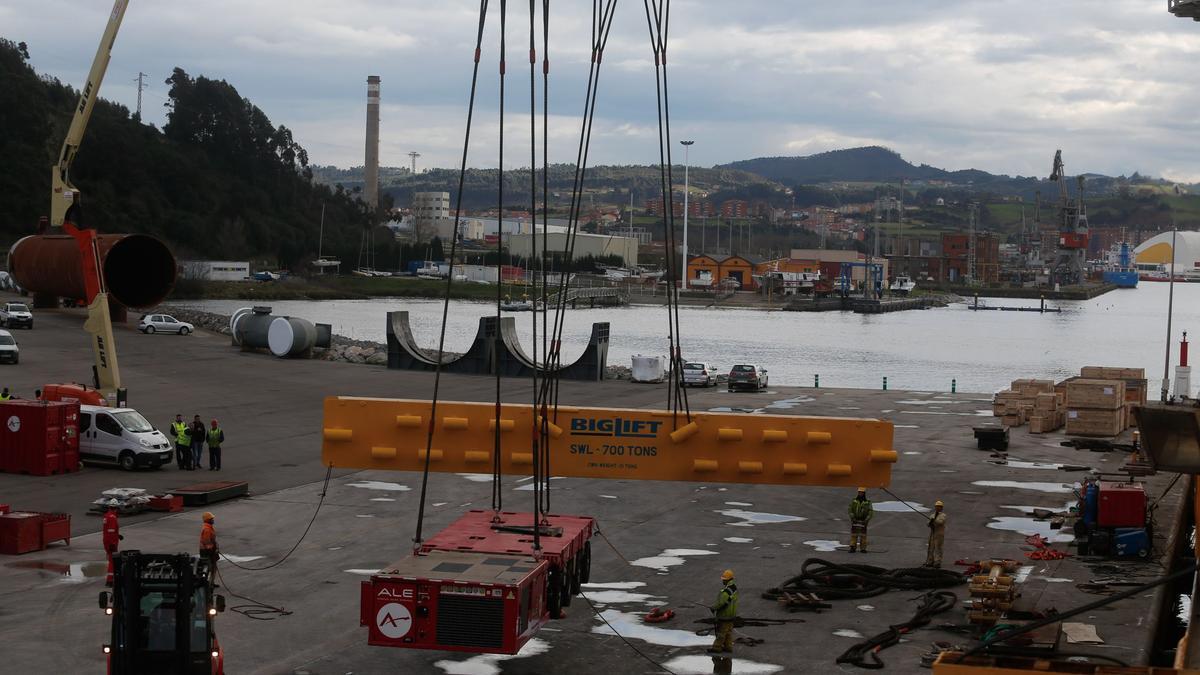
(25, 531)
(39, 437)
(164, 503)
(4, 508)
(1122, 504)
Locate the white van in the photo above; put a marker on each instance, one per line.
(121, 436)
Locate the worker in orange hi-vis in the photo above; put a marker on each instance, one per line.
(208, 544)
(112, 538)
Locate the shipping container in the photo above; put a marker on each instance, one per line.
(27, 531)
(39, 438)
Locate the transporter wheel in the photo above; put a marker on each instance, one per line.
(554, 594)
(566, 579)
(585, 570)
(576, 572)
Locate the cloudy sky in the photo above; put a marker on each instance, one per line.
(990, 84)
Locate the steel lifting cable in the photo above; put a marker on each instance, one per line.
(865, 654)
(535, 438)
(658, 16)
(544, 428)
(320, 503)
(497, 488)
(437, 371)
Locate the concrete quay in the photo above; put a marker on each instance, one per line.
(678, 536)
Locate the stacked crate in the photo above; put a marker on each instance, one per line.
(1032, 401)
(1095, 407)
(1135, 386)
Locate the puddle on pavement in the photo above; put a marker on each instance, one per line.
(382, 499)
(74, 573)
(1023, 574)
(607, 496)
(899, 507)
(241, 558)
(970, 492)
(631, 627)
(848, 633)
(1062, 488)
(866, 608)
(672, 557)
(439, 503)
(1022, 464)
(379, 485)
(738, 504)
(364, 515)
(528, 487)
(477, 477)
(364, 572)
(947, 471)
(720, 409)
(789, 403)
(1030, 526)
(489, 664)
(824, 545)
(752, 518)
(738, 540)
(1055, 580)
(705, 665)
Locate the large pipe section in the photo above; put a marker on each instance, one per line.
(138, 269)
(285, 336)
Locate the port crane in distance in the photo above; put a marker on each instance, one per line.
(479, 585)
(1070, 262)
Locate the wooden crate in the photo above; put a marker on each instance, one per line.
(1047, 402)
(1130, 418)
(1097, 394)
(1031, 388)
(1108, 373)
(1094, 422)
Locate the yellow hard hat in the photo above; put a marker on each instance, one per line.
(209, 517)
(862, 489)
(938, 503)
(727, 575)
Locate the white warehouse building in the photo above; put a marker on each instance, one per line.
(214, 270)
(596, 245)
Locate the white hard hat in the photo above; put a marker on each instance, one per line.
(113, 502)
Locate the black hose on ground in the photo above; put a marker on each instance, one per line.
(832, 581)
(865, 654)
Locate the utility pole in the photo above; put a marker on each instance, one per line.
(686, 146)
(140, 86)
(413, 156)
(974, 206)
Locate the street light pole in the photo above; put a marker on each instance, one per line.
(686, 145)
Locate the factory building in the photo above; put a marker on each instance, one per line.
(596, 245)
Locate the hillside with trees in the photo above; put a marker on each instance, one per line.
(219, 181)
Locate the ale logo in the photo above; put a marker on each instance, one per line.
(394, 620)
(14, 424)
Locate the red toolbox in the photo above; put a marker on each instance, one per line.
(168, 503)
(40, 438)
(1122, 504)
(26, 531)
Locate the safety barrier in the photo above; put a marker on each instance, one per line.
(391, 434)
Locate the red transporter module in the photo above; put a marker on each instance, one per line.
(466, 602)
(565, 543)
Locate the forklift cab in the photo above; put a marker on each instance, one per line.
(163, 614)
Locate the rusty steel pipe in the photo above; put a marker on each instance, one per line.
(139, 270)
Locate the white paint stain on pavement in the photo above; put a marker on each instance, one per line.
(489, 664)
(752, 518)
(379, 485)
(703, 665)
(364, 572)
(738, 540)
(241, 558)
(825, 545)
(900, 507)
(382, 499)
(1029, 526)
(631, 627)
(1023, 574)
(477, 477)
(1062, 488)
(671, 557)
(615, 585)
(615, 597)
(528, 487)
(848, 633)
(738, 504)
(608, 496)
(866, 608)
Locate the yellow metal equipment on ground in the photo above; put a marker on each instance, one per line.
(392, 434)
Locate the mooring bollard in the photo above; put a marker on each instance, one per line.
(885, 382)
(816, 381)
(954, 386)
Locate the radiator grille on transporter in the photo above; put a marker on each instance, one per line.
(470, 621)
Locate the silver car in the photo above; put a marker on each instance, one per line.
(696, 374)
(164, 323)
(9, 351)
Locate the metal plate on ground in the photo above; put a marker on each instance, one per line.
(201, 494)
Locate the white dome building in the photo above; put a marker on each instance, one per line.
(1157, 250)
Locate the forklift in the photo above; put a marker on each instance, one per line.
(163, 611)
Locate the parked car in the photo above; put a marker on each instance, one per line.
(14, 314)
(164, 323)
(747, 376)
(121, 436)
(698, 374)
(9, 351)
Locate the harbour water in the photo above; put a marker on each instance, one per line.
(917, 350)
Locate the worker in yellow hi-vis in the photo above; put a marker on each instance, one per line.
(937, 536)
(860, 514)
(725, 612)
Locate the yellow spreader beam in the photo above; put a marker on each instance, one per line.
(392, 434)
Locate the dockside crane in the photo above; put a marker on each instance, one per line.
(1069, 263)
